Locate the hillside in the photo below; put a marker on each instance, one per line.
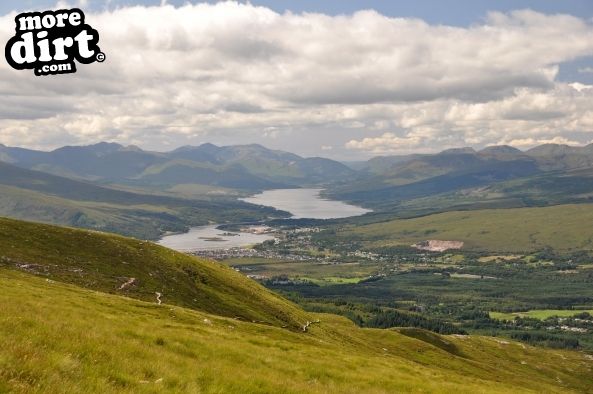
(562, 157)
(38, 196)
(377, 192)
(563, 228)
(108, 263)
(393, 182)
(542, 189)
(61, 338)
(548, 157)
(244, 167)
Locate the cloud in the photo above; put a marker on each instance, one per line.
(531, 142)
(386, 143)
(63, 4)
(525, 118)
(366, 82)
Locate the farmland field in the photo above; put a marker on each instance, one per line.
(541, 314)
(563, 228)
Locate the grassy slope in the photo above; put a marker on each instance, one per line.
(60, 338)
(562, 227)
(142, 221)
(104, 262)
(34, 195)
(57, 337)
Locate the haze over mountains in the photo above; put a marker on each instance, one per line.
(500, 173)
(248, 167)
(127, 190)
(254, 167)
(39, 196)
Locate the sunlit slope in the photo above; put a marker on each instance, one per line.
(61, 338)
(42, 197)
(137, 269)
(563, 228)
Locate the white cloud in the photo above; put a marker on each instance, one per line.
(238, 72)
(386, 143)
(524, 119)
(62, 4)
(531, 142)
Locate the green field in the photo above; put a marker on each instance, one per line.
(563, 228)
(332, 280)
(541, 314)
(315, 271)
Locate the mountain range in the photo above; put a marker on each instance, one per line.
(244, 167)
(542, 175)
(39, 196)
(84, 306)
(125, 189)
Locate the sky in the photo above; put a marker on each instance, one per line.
(342, 79)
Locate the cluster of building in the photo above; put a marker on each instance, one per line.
(221, 254)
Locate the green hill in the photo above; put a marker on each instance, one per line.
(106, 263)
(437, 182)
(430, 176)
(34, 195)
(61, 331)
(60, 338)
(563, 228)
(245, 167)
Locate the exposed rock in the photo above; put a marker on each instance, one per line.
(434, 245)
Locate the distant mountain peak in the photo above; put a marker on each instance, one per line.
(501, 149)
(98, 148)
(133, 148)
(103, 147)
(455, 151)
(208, 145)
(553, 150)
(501, 152)
(190, 148)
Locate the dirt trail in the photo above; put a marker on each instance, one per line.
(158, 298)
(306, 326)
(128, 283)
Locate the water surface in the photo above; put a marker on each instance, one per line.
(209, 237)
(305, 203)
(301, 203)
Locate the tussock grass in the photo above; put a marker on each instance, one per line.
(61, 331)
(59, 338)
(105, 262)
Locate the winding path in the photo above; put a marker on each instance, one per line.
(128, 283)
